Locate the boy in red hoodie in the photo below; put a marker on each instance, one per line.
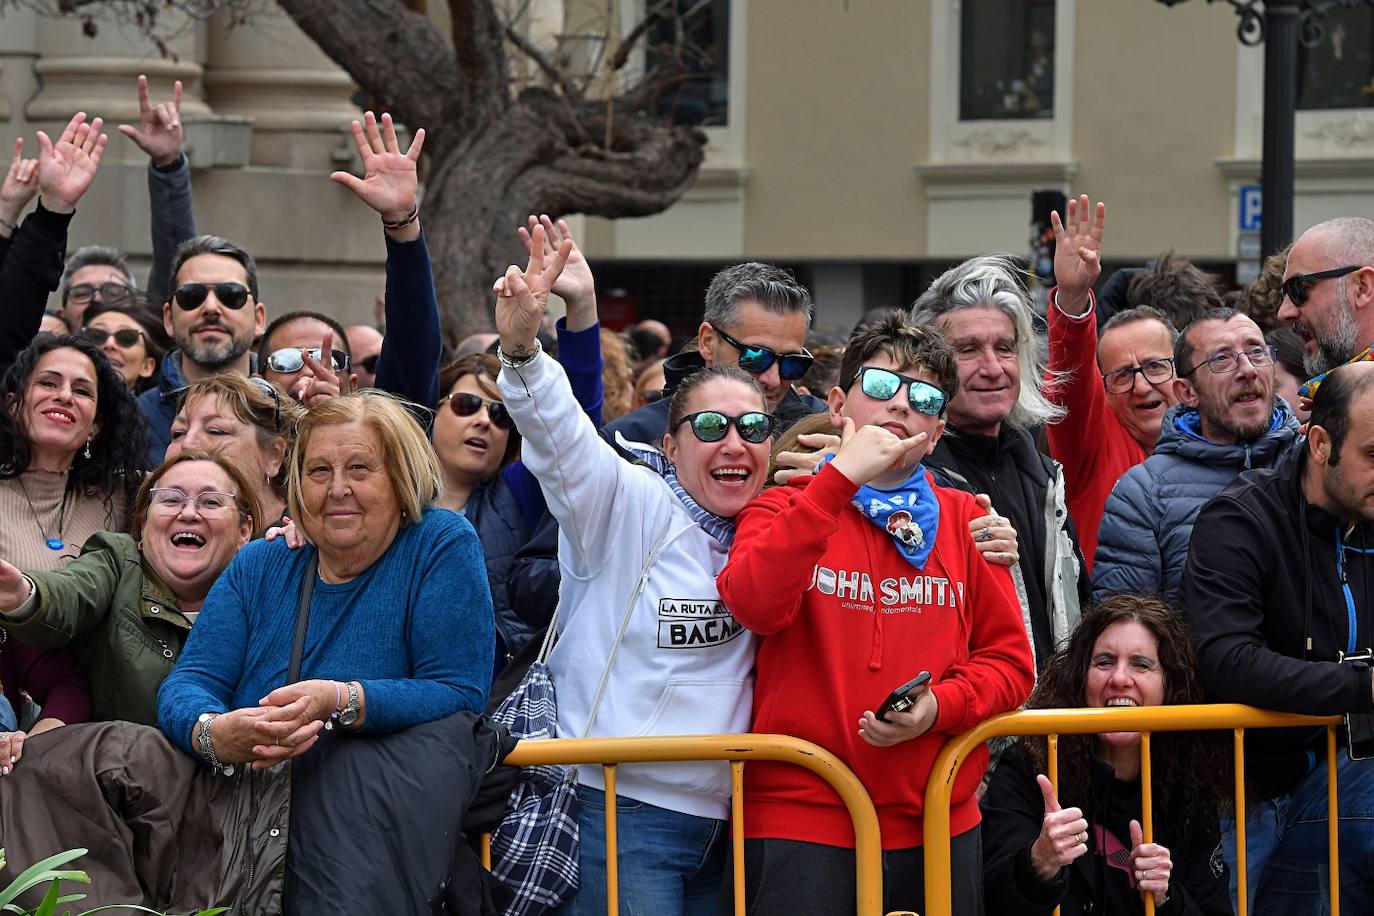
(857, 579)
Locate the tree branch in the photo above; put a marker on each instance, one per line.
(541, 60)
(481, 61)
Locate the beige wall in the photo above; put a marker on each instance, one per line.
(837, 118)
(1154, 103)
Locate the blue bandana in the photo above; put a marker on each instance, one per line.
(909, 513)
(718, 527)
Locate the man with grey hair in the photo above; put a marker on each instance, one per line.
(989, 442)
(1328, 288)
(756, 317)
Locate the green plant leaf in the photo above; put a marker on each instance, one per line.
(38, 873)
(49, 905)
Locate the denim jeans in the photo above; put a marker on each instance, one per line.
(8, 720)
(670, 864)
(1286, 845)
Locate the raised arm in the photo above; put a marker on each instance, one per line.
(159, 134)
(409, 362)
(16, 191)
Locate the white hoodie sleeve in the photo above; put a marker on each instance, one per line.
(584, 481)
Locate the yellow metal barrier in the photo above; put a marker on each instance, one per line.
(1054, 722)
(608, 752)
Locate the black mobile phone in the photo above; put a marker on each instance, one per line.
(901, 699)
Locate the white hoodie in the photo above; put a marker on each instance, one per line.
(684, 667)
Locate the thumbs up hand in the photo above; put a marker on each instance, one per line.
(1063, 835)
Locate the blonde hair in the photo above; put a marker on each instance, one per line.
(248, 400)
(790, 440)
(407, 457)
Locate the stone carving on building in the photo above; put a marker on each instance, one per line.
(998, 141)
(1347, 133)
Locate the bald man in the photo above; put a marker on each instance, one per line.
(1328, 291)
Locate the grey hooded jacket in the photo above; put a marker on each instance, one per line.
(1143, 540)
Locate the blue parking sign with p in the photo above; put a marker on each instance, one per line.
(1251, 205)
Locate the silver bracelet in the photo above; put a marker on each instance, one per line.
(516, 362)
(207, 745)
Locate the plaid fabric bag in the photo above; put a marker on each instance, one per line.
(534, 850)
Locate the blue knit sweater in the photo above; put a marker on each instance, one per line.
(415, 629)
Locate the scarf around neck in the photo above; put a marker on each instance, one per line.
(908, 512)
(718, 527)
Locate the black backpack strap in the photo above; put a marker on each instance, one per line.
(302, 619)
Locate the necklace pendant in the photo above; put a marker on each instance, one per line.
(55, 544)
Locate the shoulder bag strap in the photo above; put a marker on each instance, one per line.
(302, 618)
(625, 622)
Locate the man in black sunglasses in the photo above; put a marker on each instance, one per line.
(365, 346)
(1328, 291)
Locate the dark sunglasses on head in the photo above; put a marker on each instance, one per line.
(369, 363)
(465, 405)
(191, 296)
(757, 360)
(108, 293)
(292, 359)
(713, 426)
(1299, 287)
(270, 390)
(124, 337)
(883, 385)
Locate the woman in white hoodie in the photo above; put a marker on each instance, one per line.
(645, 646)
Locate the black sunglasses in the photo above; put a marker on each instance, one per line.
(124, 337)
(108, 293)
(1299, 287)
(883, 385)
(292, 359)
(757, 360)
(464, 404)
(369, 363)
(191, 296)
(712, 425)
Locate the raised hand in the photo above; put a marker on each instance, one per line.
(160, 134)
(14, 588)
(993, 535)
(390, 183)
(319, 382)
(575, 285)
(1151, 864)
(901, 726)
(869, 453)
(1078, 252)
(67, 167)
(521, 297)
(19, 187)
(1063, 835)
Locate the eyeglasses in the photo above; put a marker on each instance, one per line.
(292, 359)
(1120, 381)
(883, 385)
(1223, 363)
(757, 360)
(713, 426)
(191, 296)
(464, 404)
(1299, 287)
(124, 337)
(108, 293)
(270, 390)
(369, 363)
(170, 501)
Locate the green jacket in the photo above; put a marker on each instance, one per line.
(122, 623)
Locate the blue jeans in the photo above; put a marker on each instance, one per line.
(8, 720)
(670, 863)
(1289, 834)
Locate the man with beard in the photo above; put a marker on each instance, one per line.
(1227, 421)
(1328, 288)
(213, 314)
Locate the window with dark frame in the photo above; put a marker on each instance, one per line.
(1339, 71)
(696, 33)
(1006, 59)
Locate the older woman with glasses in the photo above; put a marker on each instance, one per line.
(248, 420)
(126, 605)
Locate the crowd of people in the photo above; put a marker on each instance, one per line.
(236, 536)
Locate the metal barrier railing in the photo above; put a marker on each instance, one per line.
(737, 749)
(1055, 722)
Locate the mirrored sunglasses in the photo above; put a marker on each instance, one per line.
(883, 385)
(465, 405)
(292, 359)
(756, 359)
(713, 426)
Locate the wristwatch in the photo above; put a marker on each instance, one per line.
(348, 716)
(207, 744)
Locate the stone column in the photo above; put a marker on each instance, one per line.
(299, 100)
(18, 43)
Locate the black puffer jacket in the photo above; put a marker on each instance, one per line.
(501, 527)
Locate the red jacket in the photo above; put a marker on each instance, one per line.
(844, 620)
(1091, 444)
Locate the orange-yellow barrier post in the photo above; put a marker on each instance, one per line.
(1147, 804)
(1052, 764)
(612, 853)
(737, 830)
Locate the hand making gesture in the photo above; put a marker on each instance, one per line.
(18, 188)
(522, 297)
(1063, 835)
(575, 285)
(870, 452)
(1077, 252)
(390, 183)
(67, 167)
(159, 134)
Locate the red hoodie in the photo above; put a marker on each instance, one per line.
(844, 620)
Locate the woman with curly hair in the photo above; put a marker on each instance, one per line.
(71, 448)
(1082, 849)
